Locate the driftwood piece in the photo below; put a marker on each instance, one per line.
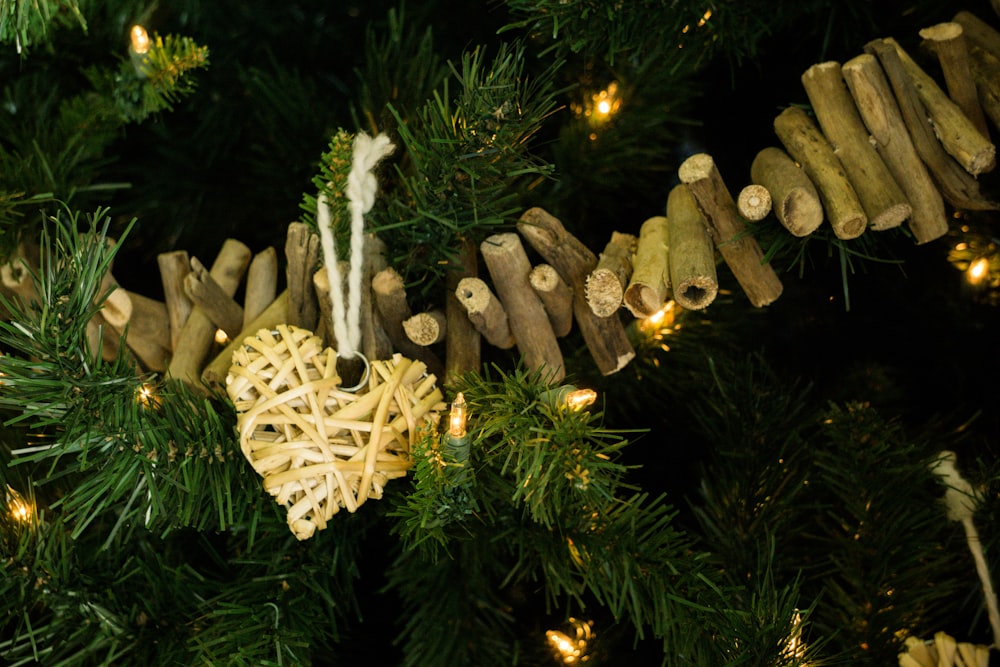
(426, 328)
(956, 185)
(754, 202)
(649, 286)
(605, 336)
(198, 333)
(302, 250)
(891, 139)
(606, 284)
(462, 346)
(375, 341)
(174, 266)
(954, 130)
(148, 332)
(321, 283)
(738, 247)
(881, 197)
(947, 42)
(978, 32)
(509, 267)
(795, 201)
(276, 313)
(485, 312)
(556, 296)
(986, 73)
(208, 295)
(262, 284)
(393, 308)
(807, 145)
(692, 254)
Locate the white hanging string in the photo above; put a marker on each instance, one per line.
(360, 191)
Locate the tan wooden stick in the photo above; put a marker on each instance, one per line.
(606, 284)
(556, 296)
(605, 336)
(463, 345)
(393, 308)
(375, 341)
(485, 312)
(174, 266)
(198, 333)
(262, 284)
(509, 267)
(649, 285)
(208, 295)
(754, 202)
(956, 185)
(881, 197)
(276, 313)
(426, 328)
(795, 199)
(302, 250)
(957, 134)
(809, 147)
(978, 32)
(891, 139)
(737, 245)
(986, 73)
(692, 254)
(148, 332)
(948, 43)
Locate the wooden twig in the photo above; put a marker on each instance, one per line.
(214, 301)
(738, 247)
(807, 145)
(650, 282)
(302, 250)
(148, 332)
(605, 336)
(426, 328)
(795, 200)
(692, 254)
(262, 284)
(485, 312)
(509, 267)
(754, 202)
(174, 266)
(891, 139)
(606, 284)
(947, 42)
(556, 296)
(393, 308)
(276, 313)
(463, 345)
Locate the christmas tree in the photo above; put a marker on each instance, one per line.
(532, 332)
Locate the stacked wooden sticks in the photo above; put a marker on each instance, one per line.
(887, 145)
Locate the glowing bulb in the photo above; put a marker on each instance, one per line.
(604, 107)
(978, 270)
(571, 650)
(456, 421)
(658, 318)
(579, 399)
(221, 337)
(146, 396)
(140, 39)
(18, 508)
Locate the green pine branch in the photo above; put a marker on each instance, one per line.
(27, 24)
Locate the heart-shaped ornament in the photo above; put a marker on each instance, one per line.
(318, 446)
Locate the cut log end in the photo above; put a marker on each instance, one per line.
(696, 293)
(754, 202)
(801, 212)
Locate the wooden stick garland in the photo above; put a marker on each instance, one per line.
(485, 312)
(738, 247)
(882, 199)
(795, 201)
(807, 145)
(509, 267)
(691, 252)
(393, 309)
(889, 135)
(605, 336)
(947, 42)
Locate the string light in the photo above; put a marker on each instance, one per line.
(457, 417)
(221, 337)
(457, 442)
(571, 650)
(140, 40)
(17, 507)
(978, 270)
(578, 399)
(146, 396)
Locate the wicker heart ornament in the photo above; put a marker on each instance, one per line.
(318, 446)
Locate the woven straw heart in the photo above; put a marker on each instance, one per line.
(318, 447)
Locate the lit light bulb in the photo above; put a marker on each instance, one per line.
(140, 40)
(221, 337)
(571, 650)
(578, 399)
(146, 396)
(456, 421)
(658, 318)
(978, 270)
(18, 508)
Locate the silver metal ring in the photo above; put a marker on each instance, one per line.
(364, 376)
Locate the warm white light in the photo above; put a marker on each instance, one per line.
(146, 396)
(978, 270)
(659, 317)
(140, 39)
(604, 107)
(456, 421)
(18, 508)
(221, 337)
(578, 399)
(571, 650)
